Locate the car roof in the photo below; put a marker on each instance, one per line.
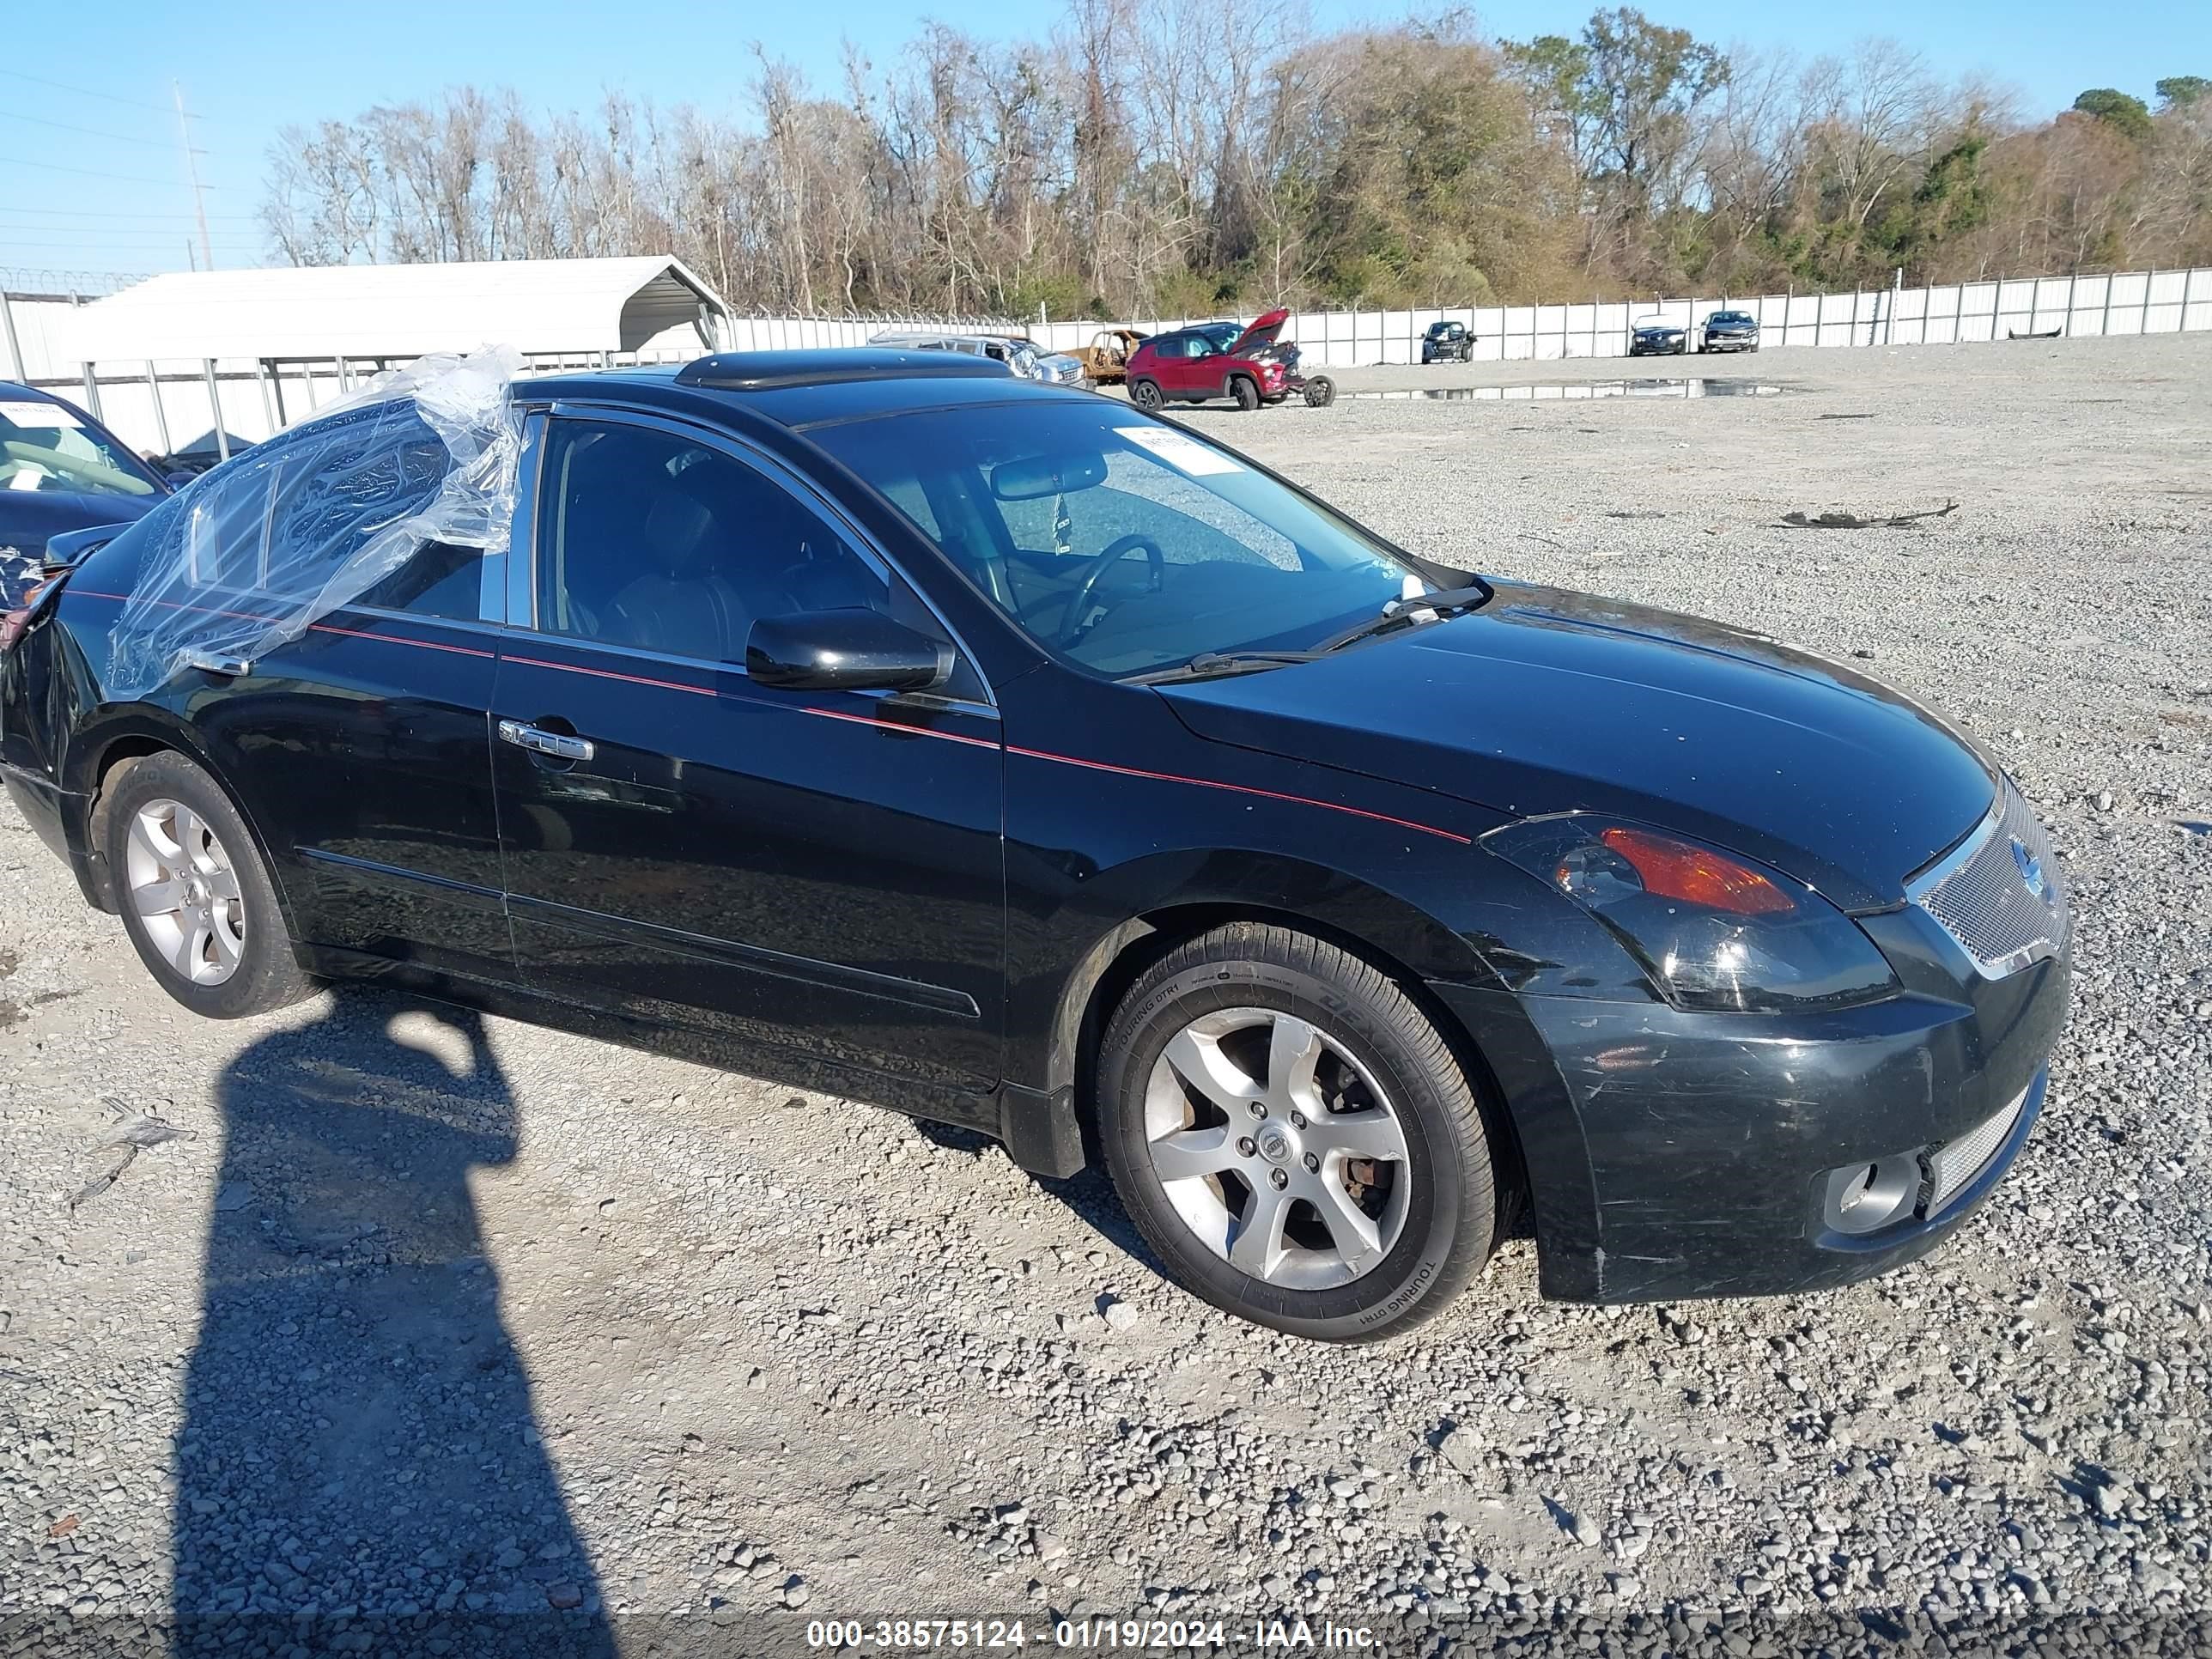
(15, 392)
(797, 389)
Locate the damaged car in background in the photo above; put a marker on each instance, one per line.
(999, 753)
(1447, 342)
(61, 472)
(1729, 331)
(1250, 364)
(1106, 359)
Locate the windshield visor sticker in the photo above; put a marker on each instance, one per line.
(22, 412)
(1185, 455)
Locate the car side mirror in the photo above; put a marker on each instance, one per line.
(849, 650)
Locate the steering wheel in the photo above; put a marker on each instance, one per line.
(1079, 606)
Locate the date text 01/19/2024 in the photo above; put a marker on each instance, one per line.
(1096, 1635)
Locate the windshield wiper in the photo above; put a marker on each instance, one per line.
(1217, 665)
(1399, 613)
(1404, 613)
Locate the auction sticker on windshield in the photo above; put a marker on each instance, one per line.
(1186, 454)
(30, 414)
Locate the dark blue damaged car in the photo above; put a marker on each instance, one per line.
(60, 470)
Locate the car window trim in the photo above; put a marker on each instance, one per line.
(494, 596)
(523, 618)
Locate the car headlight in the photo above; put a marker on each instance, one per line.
(1712, 930)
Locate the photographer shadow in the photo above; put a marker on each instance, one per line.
(359, 1452)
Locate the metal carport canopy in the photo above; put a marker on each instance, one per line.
(316, 313)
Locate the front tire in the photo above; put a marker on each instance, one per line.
(196, 898)
(1293, 1138)
(1246, 394)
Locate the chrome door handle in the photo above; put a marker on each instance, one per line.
(559, 745)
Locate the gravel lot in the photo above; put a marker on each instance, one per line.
(434, 1334)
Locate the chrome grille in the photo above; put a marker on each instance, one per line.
(1952, 1165)
(1981, 895)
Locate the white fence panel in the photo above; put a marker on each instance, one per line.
(2130, 289)
(257, 400)
(2167, 294)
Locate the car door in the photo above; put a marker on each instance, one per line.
(360, 749)
(1171, 357)
(818, 871)
(1206, 375)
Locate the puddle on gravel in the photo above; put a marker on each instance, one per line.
(1695, 385)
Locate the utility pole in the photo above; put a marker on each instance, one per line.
(192, 172)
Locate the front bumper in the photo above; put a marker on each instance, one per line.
(1731, 343)
(1673, 1155)
(1672, 348)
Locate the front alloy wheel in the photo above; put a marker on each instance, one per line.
(196, 898)
(1293, 1136)
(1276, 1149)
(185, 891)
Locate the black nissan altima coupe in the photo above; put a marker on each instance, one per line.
(996, 753)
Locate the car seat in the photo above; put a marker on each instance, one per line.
(683, 601)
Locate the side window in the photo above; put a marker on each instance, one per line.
(283, 519)
(441, 579)
(650, 541)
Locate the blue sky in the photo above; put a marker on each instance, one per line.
(249, 67)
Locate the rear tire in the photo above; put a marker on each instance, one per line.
(1146, 395)
(1246, 394)
(196, 898)
(1359, 1201)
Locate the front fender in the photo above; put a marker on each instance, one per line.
(1063, 942)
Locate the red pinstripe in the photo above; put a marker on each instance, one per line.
(840, 715)
(893, 725)
(396, 639)
(1239, 789)
(610, 674)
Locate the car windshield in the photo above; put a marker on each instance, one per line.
(45, 447)
(1122, 544)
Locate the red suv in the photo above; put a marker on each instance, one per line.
(1223, 360)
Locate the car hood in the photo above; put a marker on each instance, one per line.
(1260, 334)
(1546, 700)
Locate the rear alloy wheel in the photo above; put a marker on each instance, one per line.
(1246, 393)
(196, 898)
(1293, 1136)
(1146, 394)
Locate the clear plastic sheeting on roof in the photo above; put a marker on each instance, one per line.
(248, 556)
